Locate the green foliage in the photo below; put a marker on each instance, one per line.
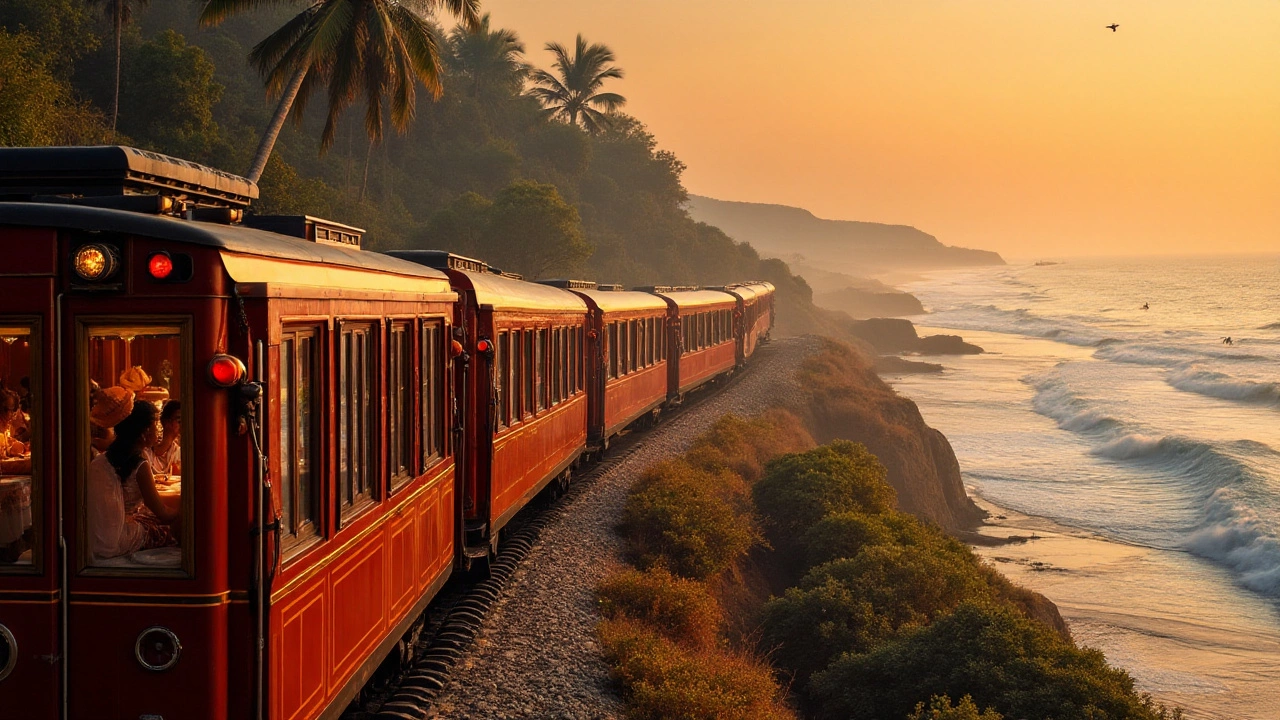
(460, 227)
(62, 29)
(681, 610)
(168, 97)
(534, 232)
(686, 519)
(843, 535)
(36, 107)
(940, 708)
(994, 654)
(572, 92)
(665, 680)
(799, 490)
(744, 446)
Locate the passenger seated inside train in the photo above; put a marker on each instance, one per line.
(133, 484)
(15, 447)
(126, 511)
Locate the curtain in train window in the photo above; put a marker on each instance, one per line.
(356, 430)
(400, 396)
(20, 405)
(131, 377)
(501, 379)
(432, 389)
(527, 364)
(299, 433)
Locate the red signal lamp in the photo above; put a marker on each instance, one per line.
(484, 346)
(160, 265)
(226, 371)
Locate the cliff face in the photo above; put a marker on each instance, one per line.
(844, 399)
(845, 245)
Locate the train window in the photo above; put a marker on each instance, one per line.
(20, 405)
(400, 408)
(502, 379)
(633, 347)
(527, 365)
(132, 477)
(611, 349)
(433, 377)
(356, 389)
(565, 374)
(299, 434)
(578, 353)
(540, 370)
(573, 361)
(554, 370)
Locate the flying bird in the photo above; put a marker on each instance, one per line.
(1112, 27)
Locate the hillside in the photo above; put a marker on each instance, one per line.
(862, 247)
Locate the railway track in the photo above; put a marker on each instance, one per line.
(452, 621)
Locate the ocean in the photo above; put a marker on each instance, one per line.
(1140, 447)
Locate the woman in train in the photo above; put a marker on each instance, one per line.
(164, 456)
(126, 513)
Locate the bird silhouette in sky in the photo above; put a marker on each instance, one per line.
(1112, 27)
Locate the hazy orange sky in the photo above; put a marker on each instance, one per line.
(1023, 126)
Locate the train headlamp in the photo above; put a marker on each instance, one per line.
(226, 371)
(95, 262)
(157, 649)
(160, 265)
(8, 652)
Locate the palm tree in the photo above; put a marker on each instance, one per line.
(573, 95)
(377, 48)
(488, 58)
(119, 13)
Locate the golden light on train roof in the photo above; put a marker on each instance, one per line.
(95, 262)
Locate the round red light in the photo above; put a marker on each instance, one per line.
(160, 266)
(483, 346)
(226, 370)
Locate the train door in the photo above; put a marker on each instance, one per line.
(30, 644)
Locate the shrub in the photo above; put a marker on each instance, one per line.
(744, 446)
(678, 516)
(800, 489)
(940, 708)
(681, 610)
(843, 535)
(1005, 661)
(664, 680)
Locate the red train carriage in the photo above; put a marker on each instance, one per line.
(525, 413)
(702, 341)
(626, 358)
(124, 304)
(758, 320)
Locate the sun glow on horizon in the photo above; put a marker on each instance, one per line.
(1026, 128)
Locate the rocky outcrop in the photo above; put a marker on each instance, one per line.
(894, 335)
(842, 398)
(859, 303)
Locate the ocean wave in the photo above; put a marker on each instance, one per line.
(1225, 387)
(1270, 326)
(1233, 535)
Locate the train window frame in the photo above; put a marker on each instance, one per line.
(402, 403)
(30, 328)
(432, 379)
(502, 376)
(611, 350)
(540, 371)
(295, 539)
(554, 370)
(85, 326)
(528, 366)
(573, 361)
(517, 376)
(566, 386)
(344, 485)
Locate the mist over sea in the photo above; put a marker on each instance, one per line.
(1152, 441)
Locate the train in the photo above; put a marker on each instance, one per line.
(349, 429)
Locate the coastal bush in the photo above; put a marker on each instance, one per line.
(993, 653)
(681, 610)
(662, 679)
(940, 708)
(745, 445)
(800, 489)
(684, 518)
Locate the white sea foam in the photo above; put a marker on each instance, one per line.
(1235, 536)
(1194, 378)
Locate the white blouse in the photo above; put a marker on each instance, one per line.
(110, 532)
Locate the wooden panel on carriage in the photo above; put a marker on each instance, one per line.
(706, 343)
(625, 357)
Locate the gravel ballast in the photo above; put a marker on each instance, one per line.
(536, 655)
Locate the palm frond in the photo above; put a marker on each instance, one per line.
(608, 101)
(216, 11)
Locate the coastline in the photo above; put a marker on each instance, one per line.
(1170, 654)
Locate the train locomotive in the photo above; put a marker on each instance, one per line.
(352, 428)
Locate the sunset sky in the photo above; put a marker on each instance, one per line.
(1023, 126)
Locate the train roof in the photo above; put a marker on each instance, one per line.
(500, 291)
(622, 300)
(697, 298)
(230, 238)
(746, 292)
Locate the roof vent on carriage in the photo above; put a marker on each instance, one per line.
(653, 288)
(123, 178)
(444, 260)
(566, 284)
(310, 228)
